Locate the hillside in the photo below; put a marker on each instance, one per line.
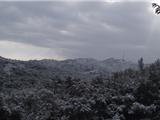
(78, 89)
(80, 68)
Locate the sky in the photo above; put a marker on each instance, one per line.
(68, 29)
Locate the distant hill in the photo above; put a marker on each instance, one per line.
(80, 68)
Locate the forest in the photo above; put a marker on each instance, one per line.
(34, 92)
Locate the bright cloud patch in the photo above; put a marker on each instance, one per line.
(24, 51)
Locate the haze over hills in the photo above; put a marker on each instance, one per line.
(81, 67)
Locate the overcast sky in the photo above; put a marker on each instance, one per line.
(62, 30)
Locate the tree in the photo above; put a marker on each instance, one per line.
(157, 8)
(148, 92)
(141, 64)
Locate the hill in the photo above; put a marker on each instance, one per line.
(80, 68)
(78, 89)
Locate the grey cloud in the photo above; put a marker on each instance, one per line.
(81, 29)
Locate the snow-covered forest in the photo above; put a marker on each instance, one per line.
(39, 90)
